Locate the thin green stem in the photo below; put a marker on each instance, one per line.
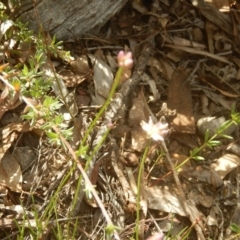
(104, 107)
(141, 169)
(205, 144)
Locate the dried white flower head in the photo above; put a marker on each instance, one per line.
(156, 131)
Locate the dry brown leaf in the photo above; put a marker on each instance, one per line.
(209, 31)
(222, 87)
(197, 34)
(2, 67)
(219, 99)
(200, 52)
(139, 138)
(10, 172)
(199, 198)
(204, 175)
(177, 41)
(80, 65)
(7, 102)
(180, 99)
(139, 110)
(9, 133)
(216, 17)
(226, 164)
(176, 55)
(168, 68)
(103, 79)
(163, 200)
(204, 102)
(72, 79)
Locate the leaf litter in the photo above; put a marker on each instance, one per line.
(186, 69)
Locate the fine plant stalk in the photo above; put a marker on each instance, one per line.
(58, 234)
(94, 122)
(104, 107)
(207, 142)
(53, 200)
(141, 169)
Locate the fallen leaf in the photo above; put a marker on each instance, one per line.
(103, 79)
(180, 99)
(10, 172)
(199, 52)
(226, 164)
(222, 87)
(163, 200)
(9, 133)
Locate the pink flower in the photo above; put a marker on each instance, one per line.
(125, 59)
(158, 236)
(155, 131)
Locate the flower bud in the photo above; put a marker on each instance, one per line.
(125, 59)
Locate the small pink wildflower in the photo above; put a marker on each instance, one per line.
(158, 236)
(155, 131)
(110, 125)
(125, 59)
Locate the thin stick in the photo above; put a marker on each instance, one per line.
(183, 200)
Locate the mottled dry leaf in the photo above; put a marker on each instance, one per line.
(80, 65)
(206, 175)
(9, 134)
(72, 79)
(103, 79)
(163, 200)
(226, 164)
(8, 103)
(10, 172)
(180, 98)
(139, 110)
(199, 198)
(139, 139)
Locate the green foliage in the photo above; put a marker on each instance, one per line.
(110, 228)
(27, 78)
(235, 115)
(235, 228)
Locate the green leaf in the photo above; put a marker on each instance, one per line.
(110, 228)
(206, 137)
(235, 228)
(198, 158)
(225, 126)
(214, 143)
(194, 152)
(225, 136)
(82, 151)
(51, 134)
(25, 70)
(233, 108)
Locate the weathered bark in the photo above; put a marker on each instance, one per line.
(66, 19)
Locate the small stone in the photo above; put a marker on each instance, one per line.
(213, 124)
(25, 156)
